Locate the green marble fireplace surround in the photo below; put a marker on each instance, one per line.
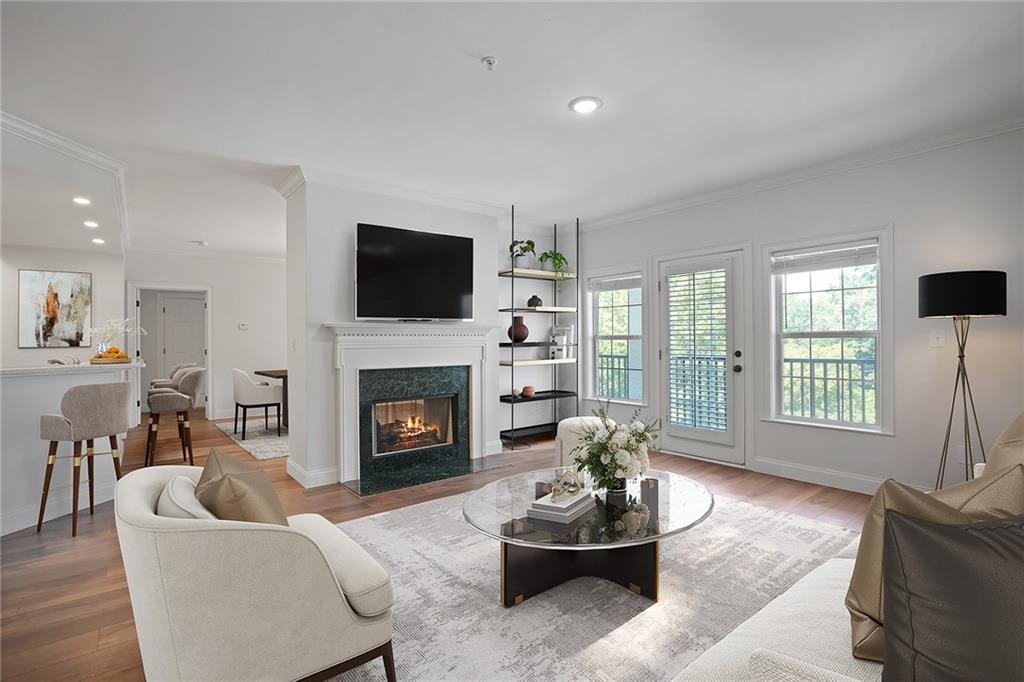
(384, 472)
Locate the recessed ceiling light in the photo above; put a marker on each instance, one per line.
(82, 201)
(91, 224)
(97, 240)
(585, 105)
(199, 242)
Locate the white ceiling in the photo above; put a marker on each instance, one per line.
(39, 184)
(207, 103)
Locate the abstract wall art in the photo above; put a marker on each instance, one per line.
(54, 309)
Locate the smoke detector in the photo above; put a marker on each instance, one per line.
(489, 62)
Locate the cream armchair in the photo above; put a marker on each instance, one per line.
(567, 437)
(248, 394)
(230, 600)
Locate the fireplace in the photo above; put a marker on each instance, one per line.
(419, 424)
(414, 426)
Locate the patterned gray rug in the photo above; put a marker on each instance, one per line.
(259, 442)
(449, 625)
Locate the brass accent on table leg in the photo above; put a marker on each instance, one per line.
(519, 599)
(633, 587)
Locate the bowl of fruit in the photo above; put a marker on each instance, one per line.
(111, 356)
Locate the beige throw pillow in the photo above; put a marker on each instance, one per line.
(998, 496)
(236, 491)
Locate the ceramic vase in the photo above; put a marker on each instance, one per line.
(518, 331)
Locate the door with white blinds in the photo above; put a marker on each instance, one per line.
(702, 357)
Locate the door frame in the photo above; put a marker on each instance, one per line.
(134, 289)
(750, 354)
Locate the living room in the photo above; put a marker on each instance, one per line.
(508, 341)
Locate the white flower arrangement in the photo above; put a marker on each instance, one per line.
(111, 329)
(611, 453)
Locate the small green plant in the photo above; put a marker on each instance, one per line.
(557, 258)
(521, 247)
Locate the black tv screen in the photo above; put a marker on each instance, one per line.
(406, 274)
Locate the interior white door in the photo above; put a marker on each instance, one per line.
(702, 357)
(183, 330)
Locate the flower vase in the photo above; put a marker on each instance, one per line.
(616, 495)
(518, 332)
(102, 347)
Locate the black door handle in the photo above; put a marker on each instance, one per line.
(737, 368)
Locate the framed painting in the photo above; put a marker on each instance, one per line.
(54, 309)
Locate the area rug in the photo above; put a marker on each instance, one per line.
(260, 442)
(449, 625)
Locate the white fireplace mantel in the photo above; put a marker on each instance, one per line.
(383, 345)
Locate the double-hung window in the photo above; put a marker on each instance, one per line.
(617, 324)
(826, 334)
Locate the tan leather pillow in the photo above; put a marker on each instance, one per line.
(997, 496)
(236, 491)
(1008, 449)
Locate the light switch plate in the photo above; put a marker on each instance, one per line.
(937, 338)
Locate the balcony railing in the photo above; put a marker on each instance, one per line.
(841, 390)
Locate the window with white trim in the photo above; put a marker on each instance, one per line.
(826, 334)
(617, 324)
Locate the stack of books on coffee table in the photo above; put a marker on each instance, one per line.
(564, 510)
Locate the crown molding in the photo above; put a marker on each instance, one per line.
(843, 165)
(79, 152)
(211, 255)
(292, 182)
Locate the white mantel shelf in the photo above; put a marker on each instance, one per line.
(54, 370)
(408, 330)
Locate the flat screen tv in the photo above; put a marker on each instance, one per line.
(411, 275)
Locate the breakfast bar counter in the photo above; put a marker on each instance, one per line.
(26, 393)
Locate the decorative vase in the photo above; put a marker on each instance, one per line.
(518, 331)
(616, 495)
(102, 347)
(529, 391)
(535, 301)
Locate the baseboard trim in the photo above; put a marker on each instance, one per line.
(57, 505)
(311, 479)
(494, 447)
(820, 475)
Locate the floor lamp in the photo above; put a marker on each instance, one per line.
(962, 296)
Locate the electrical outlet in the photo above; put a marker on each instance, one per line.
(937, 339)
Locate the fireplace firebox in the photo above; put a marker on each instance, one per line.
(406, 425)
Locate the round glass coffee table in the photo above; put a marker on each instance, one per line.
(616, 540)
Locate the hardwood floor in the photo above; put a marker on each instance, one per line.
(65, 612)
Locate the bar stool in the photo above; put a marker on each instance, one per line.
(88, 412)
(180, 402)
(169, 381)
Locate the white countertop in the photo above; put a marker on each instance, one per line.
(53, 370)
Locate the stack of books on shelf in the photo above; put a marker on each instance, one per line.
(564, 510)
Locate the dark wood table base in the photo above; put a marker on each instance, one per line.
(527, 571)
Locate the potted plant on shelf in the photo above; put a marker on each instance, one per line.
(614, 453)
(558, 262)
(519, 248)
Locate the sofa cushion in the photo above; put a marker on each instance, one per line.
(997, 496)
(1008, 448)
(807, 622)
(236, 491)
(365, 583)
(953, 600)
(178, 500)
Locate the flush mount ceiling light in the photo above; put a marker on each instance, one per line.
(199, 242)
(82, 201)
(97, 240)
(585, 105)
(91, 224)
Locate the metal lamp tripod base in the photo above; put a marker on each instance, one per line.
(961, 386)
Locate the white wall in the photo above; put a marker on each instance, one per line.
(321, 221)
(250, 290)
(954, 208)
(107, 297)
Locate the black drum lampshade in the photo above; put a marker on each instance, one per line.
(967, 293)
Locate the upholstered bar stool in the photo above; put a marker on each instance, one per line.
(179, 401)
(88, 412)
(176, 373)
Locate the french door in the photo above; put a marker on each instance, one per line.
(702, 356)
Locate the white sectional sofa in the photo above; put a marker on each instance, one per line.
(801, 636)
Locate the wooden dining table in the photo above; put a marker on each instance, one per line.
(281, 374)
